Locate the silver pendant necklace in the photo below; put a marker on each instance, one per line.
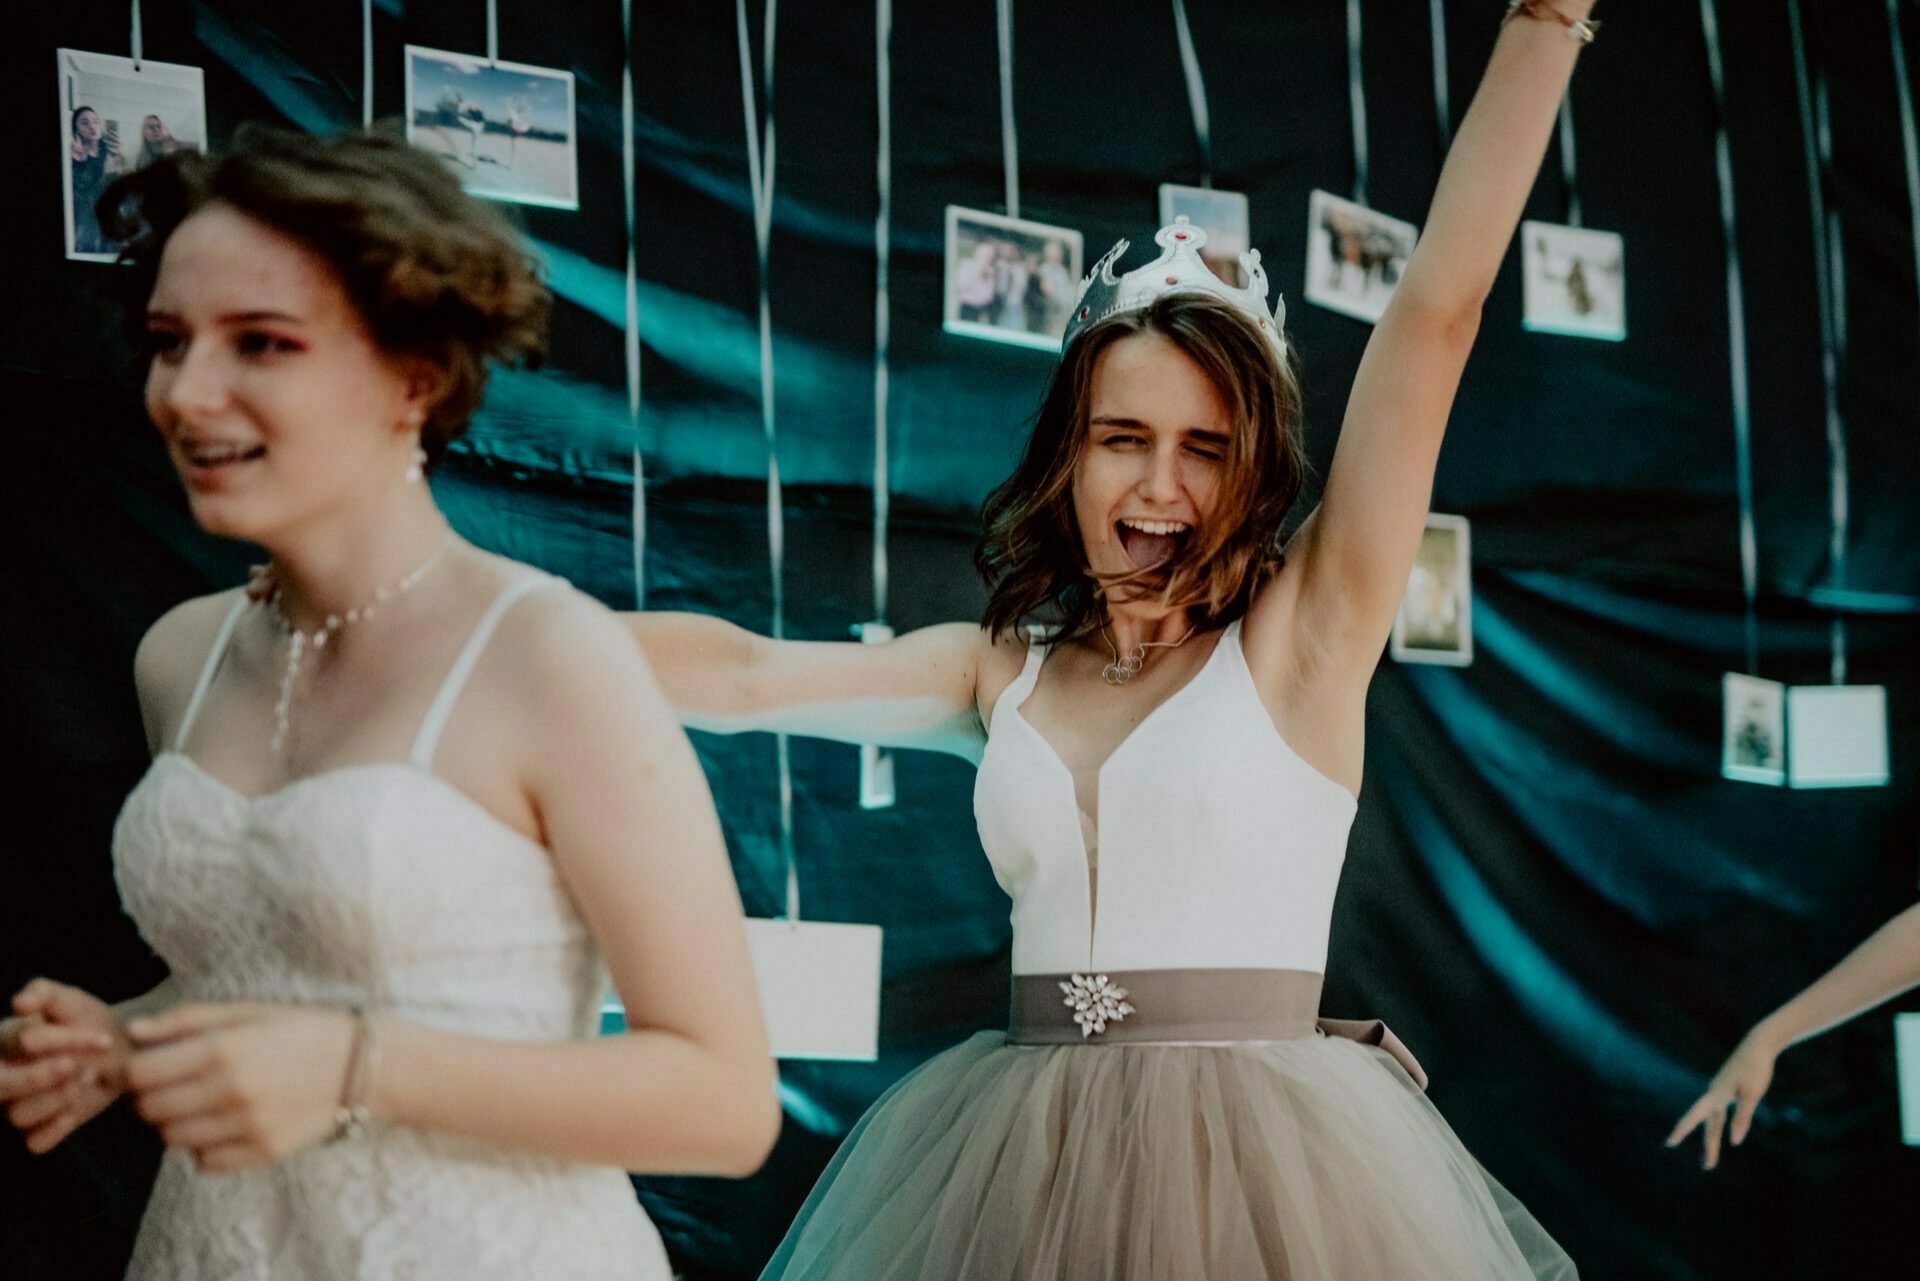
(1121, 670)
(298, 642)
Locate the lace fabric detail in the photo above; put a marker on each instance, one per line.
(384, 885)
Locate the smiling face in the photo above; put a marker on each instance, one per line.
(1149, 469)
(277, 407)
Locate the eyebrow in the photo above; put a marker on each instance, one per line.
(234, 317)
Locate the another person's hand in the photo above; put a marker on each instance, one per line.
(239, 1085)
(1740, 1083)
(63, 1057)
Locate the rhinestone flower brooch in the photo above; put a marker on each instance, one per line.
(1095, 1001)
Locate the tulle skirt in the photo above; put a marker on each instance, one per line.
(1315, 1159)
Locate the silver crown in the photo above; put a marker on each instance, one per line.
(1179, 266)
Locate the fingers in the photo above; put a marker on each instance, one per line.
(170, 1063)
(36, 1110)
(48, 1136)
(36, 1039)
(186, 1021)
(1716, 1123)
(228, 1157)
(194, 1097)
(202, 1133)
(36, 1078)
(1694, 1116)
(1748, 1101)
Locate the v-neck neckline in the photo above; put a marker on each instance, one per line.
(1019, 712)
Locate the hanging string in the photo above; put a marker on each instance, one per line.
(1567, 172)
(493, 32)
(1736, 340)
(633, 309)
(135, 42)
(1442, 91)
(1903, 89)
(1357, 100)
(760, 178)
(1817, 144)
(882, 253)
(366, 64)
(1196, 92)
(1009, 140)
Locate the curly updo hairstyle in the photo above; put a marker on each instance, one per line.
(434, 272)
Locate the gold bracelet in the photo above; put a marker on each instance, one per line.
(351, 1117)
(1577, 28)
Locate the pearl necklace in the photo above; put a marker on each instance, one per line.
(298, 642)
(1121, 670)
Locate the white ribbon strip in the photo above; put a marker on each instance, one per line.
(134, 40)
(1737, 340)
(882, 253)
(366, 64)
(1009, 139)
(1903, 89)
(628, 178)
(1817, 144)
(1442, 89)
(1357, 99)
(1196, 92)
(1567, 170)
(493, 31)
(760, 178)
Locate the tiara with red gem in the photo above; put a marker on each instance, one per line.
(1179, 266)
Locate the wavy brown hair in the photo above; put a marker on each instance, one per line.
(434, 272)
(1031, 554)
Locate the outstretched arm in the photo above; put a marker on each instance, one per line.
(1355, 552)
(915, 691)
(1881, 968)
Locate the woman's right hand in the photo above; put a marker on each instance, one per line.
(1740, 1084)
(63, 1058)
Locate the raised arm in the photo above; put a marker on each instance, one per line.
(1355, 552)
(915, 691)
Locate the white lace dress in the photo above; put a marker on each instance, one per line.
(386, 886)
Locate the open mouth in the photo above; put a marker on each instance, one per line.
(209, 457)
(1150, 542)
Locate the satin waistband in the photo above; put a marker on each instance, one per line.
(1185, 1007)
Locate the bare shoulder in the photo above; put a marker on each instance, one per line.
(171, 656)
(559, 645)
(999, 658)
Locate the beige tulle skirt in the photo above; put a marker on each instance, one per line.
(1315, 1159)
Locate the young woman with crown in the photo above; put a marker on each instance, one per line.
(1166, 781)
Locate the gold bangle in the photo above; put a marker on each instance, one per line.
(1577, 28)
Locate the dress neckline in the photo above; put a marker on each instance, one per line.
(293, 785)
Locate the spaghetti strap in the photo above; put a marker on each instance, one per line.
(1022, 685)
(219, 651)
(435, 723)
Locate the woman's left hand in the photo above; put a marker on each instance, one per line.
(239, 1085)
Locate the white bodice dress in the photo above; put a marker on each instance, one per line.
(1219, 847)
(385, 886)
(1218, 1128)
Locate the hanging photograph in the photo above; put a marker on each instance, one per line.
(1837, 736)
(118, 115)
(1355, 256)
(1223, 216)
(507, 130)
(1576, 281)
(1435, 622)
(1753, 734)
(1009, 280)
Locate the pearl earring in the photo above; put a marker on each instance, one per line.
(417, 470)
